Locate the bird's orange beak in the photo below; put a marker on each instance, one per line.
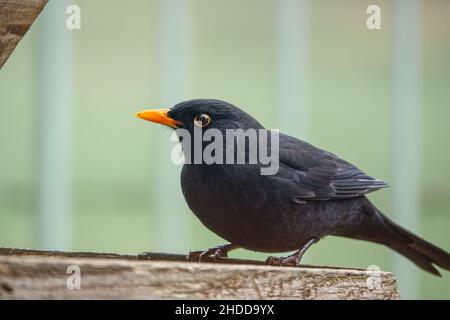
(158, 116)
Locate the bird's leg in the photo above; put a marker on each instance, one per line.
(294, 259)
(217, 252)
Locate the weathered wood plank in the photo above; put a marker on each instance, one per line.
(16, 17)
(44, 276)
(153, 256)
(64, 254)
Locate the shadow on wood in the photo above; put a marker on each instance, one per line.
(32, 274)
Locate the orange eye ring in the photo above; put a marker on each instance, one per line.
(202, 120)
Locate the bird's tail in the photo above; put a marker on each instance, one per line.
(421, 252)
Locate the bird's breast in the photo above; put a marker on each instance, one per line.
(243, 207)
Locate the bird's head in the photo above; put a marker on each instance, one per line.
(202, 113)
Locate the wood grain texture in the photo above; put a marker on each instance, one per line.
(16, 17)
(44, 276)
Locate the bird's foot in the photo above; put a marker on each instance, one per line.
(290, 261)
(295, 259)
(217, 253)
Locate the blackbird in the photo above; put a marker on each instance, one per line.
(313, 194)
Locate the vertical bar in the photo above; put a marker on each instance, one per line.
(173, 227)
(53, 126)
(407, 115)
(293, 66)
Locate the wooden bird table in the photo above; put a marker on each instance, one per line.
(16, 17)
(31, 274)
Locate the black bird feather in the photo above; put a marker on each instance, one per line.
(314, 194)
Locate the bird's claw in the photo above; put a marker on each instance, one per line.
(290, 261)
(199, 256)
(295, 259)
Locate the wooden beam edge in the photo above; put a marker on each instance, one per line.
(46, 276)
(16, 18)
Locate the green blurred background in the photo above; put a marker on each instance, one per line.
(79, 172)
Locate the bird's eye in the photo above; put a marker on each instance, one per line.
(202, 120)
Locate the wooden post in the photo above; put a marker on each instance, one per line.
(175, 45)
(26, 274)
(407, 132)
(293, 61)
(16, 17)
(53, 81)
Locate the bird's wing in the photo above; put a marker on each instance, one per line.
(324, 175)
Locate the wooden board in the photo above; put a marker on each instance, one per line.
(40, 275)
(16, 17)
